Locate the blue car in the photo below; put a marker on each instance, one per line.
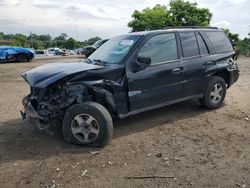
(15, 54)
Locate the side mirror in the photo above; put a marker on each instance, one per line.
(144, 61)
(140, 63)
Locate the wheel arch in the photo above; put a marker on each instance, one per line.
(223, 73)
(102, 96)
(23, 54)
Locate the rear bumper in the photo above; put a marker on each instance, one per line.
(234, 75)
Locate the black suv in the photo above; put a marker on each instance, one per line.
(127, 75)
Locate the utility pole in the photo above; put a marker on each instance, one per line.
(31, 41)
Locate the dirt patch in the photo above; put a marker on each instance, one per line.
(199, 148)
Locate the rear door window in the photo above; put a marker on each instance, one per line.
(160, 48)
(202, 45)
(219, 41)
(189, 44)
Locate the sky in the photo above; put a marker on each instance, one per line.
(82, 19)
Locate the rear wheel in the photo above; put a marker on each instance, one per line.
(21, 58)
(215, 93)
(87, 124)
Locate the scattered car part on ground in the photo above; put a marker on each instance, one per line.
(128, 75)
(15, 54)
(88, 50)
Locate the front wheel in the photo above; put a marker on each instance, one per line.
(87, 124)
(215, 93)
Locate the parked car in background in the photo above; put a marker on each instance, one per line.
(71, 52)
(41, 53)
(56, 52)
(60, 52)
(128, 75)
(15, 54)
(88, 50)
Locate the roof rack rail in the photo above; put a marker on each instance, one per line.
(189, 27)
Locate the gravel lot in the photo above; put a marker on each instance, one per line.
(195, 147)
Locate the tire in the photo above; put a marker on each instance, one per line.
(10, 58)
(21, 58)
(77, 130)
(211, 99)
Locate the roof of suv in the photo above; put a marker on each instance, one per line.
(185, 28)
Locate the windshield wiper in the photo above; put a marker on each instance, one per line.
(87, 60)
(99, 61)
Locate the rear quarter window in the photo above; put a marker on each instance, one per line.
(189, 44)
(219, 41)
(202, 45)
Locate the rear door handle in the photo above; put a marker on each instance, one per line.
(177, 70)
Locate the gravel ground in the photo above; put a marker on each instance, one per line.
(193, 146)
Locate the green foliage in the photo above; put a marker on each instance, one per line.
(179, 13)
(20, 40)
(234, 37)
(184, 13)
(241, 46)
(244, 46)
(46, 41)
(70, 44)
(1, 35)
(150, 19)
(91, 41)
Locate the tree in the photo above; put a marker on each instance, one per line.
(149, 19)
(62, 37)
(45, 41)
(1, 35)
(234, 37)
(92, 40)
(20, 40)
(184, 13)
(61, 40)
(244, 46)
(179, 13)
(70, 44)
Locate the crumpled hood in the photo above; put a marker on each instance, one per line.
(45, 75)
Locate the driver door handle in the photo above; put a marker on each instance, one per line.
(177, 70)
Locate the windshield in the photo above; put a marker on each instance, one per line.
(115, 49)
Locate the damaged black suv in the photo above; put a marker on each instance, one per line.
(130, 74)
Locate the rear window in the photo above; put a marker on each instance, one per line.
(219, 41)
(189, 44)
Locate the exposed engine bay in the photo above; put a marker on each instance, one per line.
(49, 104)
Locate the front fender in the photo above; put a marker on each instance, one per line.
(112, 94)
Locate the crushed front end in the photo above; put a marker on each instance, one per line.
(43, 107)
(51, 92)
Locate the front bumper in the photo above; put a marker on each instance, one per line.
(28, 111)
